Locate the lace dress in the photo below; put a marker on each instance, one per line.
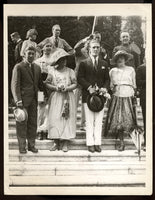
(58, 126)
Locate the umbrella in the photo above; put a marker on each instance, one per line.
(137, 133)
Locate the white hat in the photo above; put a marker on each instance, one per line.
(58, 53)
(20, 114)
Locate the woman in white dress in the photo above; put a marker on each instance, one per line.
(44, 62)
(62, 108)
(120, 117)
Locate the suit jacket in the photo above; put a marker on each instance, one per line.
(88, 76)
(17, 55)
(141, 82)
(25, 83)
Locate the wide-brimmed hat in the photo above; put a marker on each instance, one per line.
(20, 114)
(58, 53)
(119, 53)
(96, 102)
(31, 32)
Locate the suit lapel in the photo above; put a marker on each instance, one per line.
(29, 71)
(90, 63)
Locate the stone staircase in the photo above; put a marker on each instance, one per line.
(77, 167)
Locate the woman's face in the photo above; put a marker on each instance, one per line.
(62, 62)
(33, 37)
(120, 61)
(48, 48)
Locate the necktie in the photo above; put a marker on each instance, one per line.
(31, 67)
(95, 63)
(56, 42)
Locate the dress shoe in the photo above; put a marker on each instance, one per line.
(54, 147)
(44, 134)
(40, 136)
(33, 149)
(65, 146)
(91, 149)
(98, 148)
(23, 151)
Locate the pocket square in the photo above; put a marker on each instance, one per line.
(103, 67)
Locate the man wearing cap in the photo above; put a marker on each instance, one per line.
(126, 46)
(93, 74)
(56, 41)
(26, 81)
(15, 37)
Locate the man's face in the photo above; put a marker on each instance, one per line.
(94, 49)
(125, 38)
(14, 39)
(97, 37)
(56, 31)
(30, 55)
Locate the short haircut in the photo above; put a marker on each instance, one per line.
(30, 48)
(124, 32)
(56, 25)
(15, 34)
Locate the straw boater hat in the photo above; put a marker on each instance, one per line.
(121, 53)
(31, 32)
(20, 114)
(59, 53)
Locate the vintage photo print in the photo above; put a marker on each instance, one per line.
(77, 99)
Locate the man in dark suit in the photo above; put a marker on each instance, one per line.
(15, 37)
(141, 85)
(93, 72)
(26, 81)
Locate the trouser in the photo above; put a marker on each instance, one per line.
(78, 93)
(27, 129)
(93, 126)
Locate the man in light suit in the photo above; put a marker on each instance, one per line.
(26, 81)
(93, 71)
(56, 41)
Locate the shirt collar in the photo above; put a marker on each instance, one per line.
(30, 64)
(93, 58)
(19, 40)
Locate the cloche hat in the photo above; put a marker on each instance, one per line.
(119, 53)
(20, 114)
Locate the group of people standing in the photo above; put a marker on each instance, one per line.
(42, 69)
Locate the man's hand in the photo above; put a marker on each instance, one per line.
(19, 104)
(91, 90)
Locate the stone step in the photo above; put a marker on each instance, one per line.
(75, 168)
(76, 156)
(12, 124)
(79, 135)
(76, 144)
(139, 111)
(87, 180)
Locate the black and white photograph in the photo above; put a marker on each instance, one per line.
(78, 99)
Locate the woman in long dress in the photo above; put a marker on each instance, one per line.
(44, 62)
(62, 109)
(120, 117)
